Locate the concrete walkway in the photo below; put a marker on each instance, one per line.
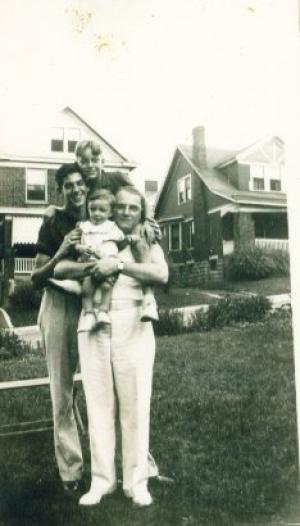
(32, 335)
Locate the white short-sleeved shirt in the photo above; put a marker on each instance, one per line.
(130, 288)
(95, 235)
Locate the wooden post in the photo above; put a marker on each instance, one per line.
(8, 270)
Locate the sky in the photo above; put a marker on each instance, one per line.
(145, 72)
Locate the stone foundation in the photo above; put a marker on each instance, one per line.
(196, 273)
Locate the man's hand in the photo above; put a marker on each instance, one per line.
(104, 268)
(68, 243)
(151, 231)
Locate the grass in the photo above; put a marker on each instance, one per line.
(223, 427)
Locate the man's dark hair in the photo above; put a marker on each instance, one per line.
(63, 171)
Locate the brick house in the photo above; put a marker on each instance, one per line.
(27, 183)
(213, 201)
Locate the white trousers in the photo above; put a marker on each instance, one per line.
(119, 362)
(58, 320)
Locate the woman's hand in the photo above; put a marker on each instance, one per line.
(103, 268)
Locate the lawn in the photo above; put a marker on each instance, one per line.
(266, 287)
(223, 428)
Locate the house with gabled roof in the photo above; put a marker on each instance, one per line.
(213, 201)
(27, 180)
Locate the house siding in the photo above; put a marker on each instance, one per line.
(169, 203)
(13, 188)
(238, 175)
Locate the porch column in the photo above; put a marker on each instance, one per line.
(243, 230)
(8, 270)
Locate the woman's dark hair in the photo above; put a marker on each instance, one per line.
(63, 171)
(134, 191)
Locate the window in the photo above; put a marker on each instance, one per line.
(184, 189)
(73, 135)
(175, 236)
(57, 140)
(36, 185)
(189, 232)
(275, 185)
(163, 230)
(258, 183)
(266, 176)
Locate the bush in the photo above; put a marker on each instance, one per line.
(11, 346)
(226, 311)
(170, 322)
(251, 263)
(281, 261)
(237, 309)
(25, 296)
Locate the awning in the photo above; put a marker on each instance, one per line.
(25, 229)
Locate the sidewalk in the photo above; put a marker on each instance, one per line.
(31, 334)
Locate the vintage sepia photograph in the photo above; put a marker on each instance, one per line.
(149, 276)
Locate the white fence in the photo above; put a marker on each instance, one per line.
(273, 244)
(24, 265)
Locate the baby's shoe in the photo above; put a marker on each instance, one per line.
(149, 311)
(102, 320)
(87, 321)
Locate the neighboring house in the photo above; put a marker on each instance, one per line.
(27, 183)
(212, 201)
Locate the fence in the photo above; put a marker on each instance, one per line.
(24, 265)
(273, 244)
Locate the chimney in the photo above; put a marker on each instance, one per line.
(199, 148)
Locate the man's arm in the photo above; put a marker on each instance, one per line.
(44, 264)
(155, 272)
(68, 269)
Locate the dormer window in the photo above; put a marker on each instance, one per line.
(73, 136)
(57, 140)
(64, 139)
(275, 185)
(258, 183)
(266, 177)
(184, 189)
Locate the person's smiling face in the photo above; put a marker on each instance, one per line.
(90, 163)
(74, 191)
(127, 211)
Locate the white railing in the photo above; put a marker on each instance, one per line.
(273, 244)
(24, 265)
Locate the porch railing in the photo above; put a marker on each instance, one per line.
(24, 265)
(273, 244)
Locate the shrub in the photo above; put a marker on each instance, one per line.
(237, 309)
(11, 346)
(170, 322)
(25, 296)
(250, 263)
(281, 261)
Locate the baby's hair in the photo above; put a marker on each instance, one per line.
(103, 194)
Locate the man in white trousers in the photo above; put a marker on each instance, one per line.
(120, 361)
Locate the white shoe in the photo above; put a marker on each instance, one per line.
(95, 494)
(140, 495)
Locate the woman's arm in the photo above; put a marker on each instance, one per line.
(155, 272)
